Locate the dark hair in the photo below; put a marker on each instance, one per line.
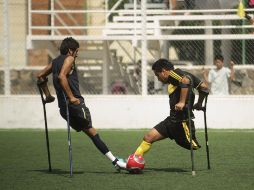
(162, 64)
(68, 43)
(219, 57)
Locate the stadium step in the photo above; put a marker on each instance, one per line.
(148, 6)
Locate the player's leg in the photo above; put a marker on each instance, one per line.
(182, 135)
(152, 136)
(100, 145)
(157, 133)
(80, 120)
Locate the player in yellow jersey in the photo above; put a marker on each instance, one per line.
(175, 126)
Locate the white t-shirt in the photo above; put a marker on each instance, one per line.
(219, 81)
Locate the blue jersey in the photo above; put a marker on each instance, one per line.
(72, 78)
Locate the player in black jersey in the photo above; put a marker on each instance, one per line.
(175, 126)
(66, 85)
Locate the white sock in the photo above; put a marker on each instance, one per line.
(110, 156)
(121, 164)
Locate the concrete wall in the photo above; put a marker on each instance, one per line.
(17, 11)
(125, 112)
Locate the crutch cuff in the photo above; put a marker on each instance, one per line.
(42, 81)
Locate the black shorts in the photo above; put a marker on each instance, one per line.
(178, 131)
(80, 117)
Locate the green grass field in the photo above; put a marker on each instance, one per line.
(23, 162)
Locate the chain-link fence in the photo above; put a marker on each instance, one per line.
(110, 36)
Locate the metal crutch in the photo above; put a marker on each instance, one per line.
(190, 130)
(46, 125)
(69, 137)
(206, 135)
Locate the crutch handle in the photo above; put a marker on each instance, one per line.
(202, 109)
(43, 88)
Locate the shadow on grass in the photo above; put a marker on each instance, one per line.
(177, 170)
(173, 170)
(150, 170)
(66, 172)
(58, 172)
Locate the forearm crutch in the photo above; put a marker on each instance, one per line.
(69, 136)
(206, 135)
(41, 86)
(190, 129)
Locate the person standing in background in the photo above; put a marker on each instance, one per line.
(218, 78)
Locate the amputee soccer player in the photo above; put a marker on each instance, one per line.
(66, 84)
(175, 126)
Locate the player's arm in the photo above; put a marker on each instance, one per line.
(42, 82)
(65, 70)
(203, 91)
(184, 84)
(205, 76)
(232, 71)
(45, 72)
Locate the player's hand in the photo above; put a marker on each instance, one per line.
(179, 106)
(231, 64)
(74, 101)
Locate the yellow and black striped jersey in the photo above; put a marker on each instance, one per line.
(176, 76)
(174, 91)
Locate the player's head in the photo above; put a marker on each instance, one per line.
(219, 61)
(161, 69)
(69, 46)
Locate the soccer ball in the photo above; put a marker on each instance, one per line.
(135, 164)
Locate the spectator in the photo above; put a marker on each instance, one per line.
(118, 88)
(247, 16)
(251, 3)
(218, 78)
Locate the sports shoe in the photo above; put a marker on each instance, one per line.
(119, 164)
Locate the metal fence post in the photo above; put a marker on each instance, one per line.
(7, 89)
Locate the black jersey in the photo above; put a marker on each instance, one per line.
(72, 78)
(174, 91)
